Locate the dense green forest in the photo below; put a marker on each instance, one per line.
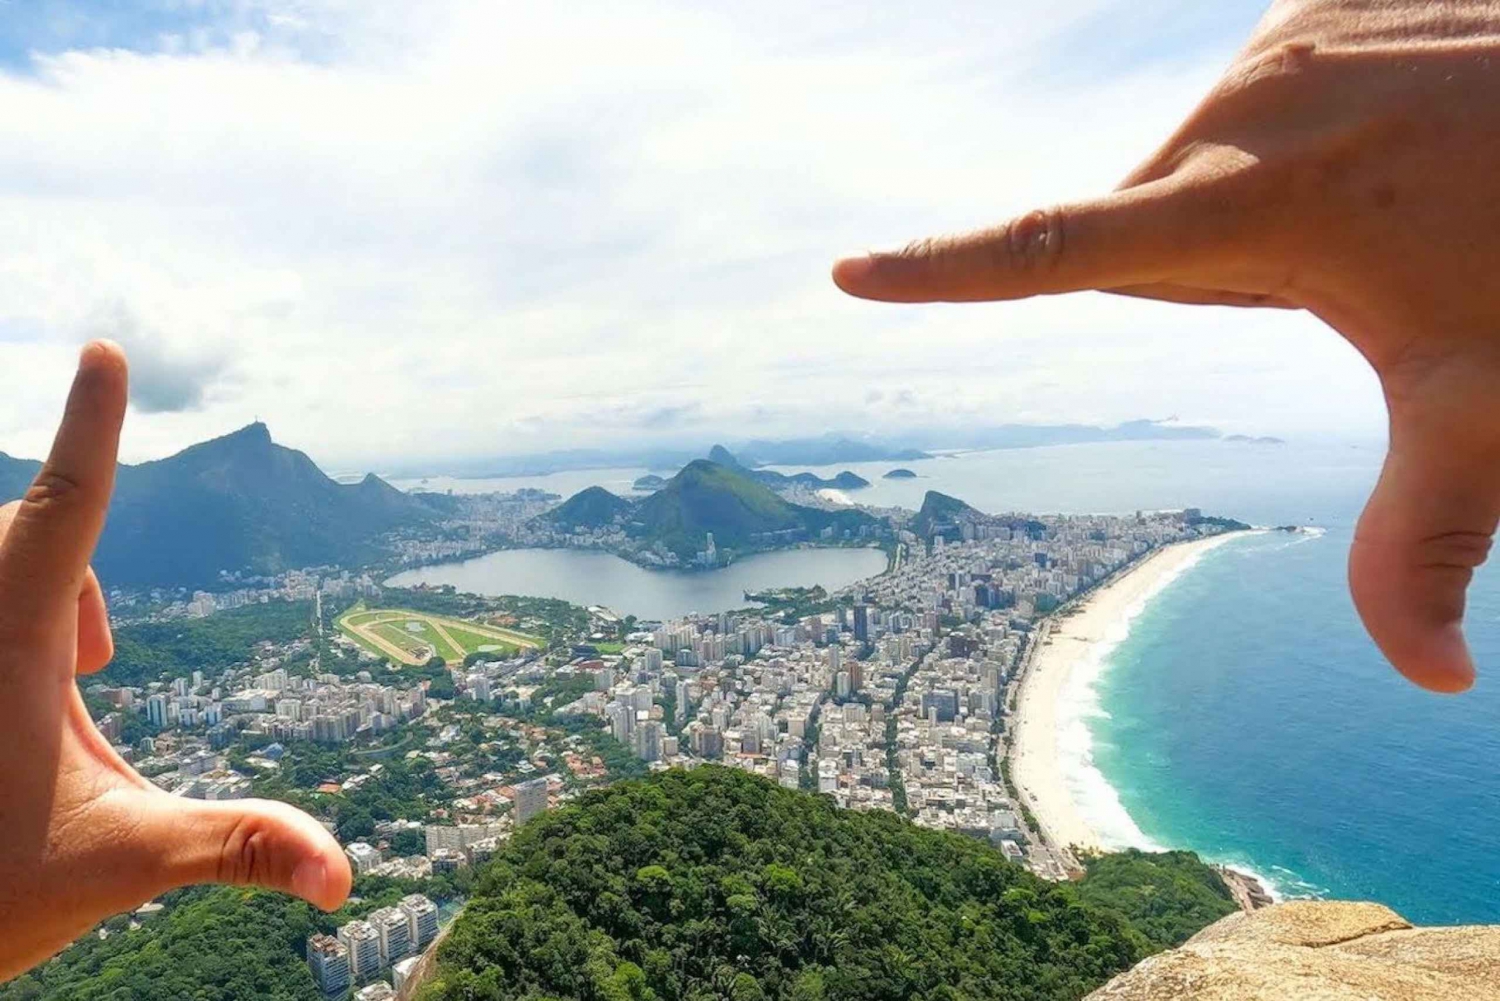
(212, 944)
(147, 651)
(703, 884)
(712, 883)
(1168, 896)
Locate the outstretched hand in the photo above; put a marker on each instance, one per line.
(1347, 164)
(85, 835)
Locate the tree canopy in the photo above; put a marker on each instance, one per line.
(713, 883)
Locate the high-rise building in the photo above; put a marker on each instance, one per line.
(394, 931)
(402, 971)
(479, 687)
(363, 944)
(421, 918)
(531, 799)
(362, 857)
(647, 739)
(328, 958)
(109, 727)
(621, 721)
(941, 703)
(862, 623)
(156, 710)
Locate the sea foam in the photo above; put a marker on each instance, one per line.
(1098, 802)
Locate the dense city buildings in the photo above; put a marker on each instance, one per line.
(891, 694)
(328, 958)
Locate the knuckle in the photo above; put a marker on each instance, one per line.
(53, 489)
(1273, 70)
(1033, 242)
(244, 857)
(1458, 551)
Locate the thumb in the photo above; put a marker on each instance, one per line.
(1426, 528)
(249, 842)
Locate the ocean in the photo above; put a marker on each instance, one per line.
(1243, 713)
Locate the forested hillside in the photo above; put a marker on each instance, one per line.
(238, 503)
(703, 884)
(212, 944)
(712, 883)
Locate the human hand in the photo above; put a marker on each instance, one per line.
(86, 836)
(1349, 164)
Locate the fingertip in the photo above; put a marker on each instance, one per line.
(323, 880)
(852, 274)
(102, 351)
(102, 364)
(1441, 664)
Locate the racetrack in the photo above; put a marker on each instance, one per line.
(411, 638)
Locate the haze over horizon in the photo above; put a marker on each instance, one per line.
(474, 230)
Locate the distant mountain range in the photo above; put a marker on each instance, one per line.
(704, 497)
(239, 503)
(834, 448)
(780, 481)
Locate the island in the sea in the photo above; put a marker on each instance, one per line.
(649, 483)
(900, 474)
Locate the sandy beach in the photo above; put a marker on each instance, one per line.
(1064, 642)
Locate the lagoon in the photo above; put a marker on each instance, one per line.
(595, 578)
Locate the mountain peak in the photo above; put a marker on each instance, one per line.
(698, 467)
(256, 432)
(723, 457)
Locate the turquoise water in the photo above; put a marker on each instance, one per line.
(1250, 719)
(1246, 715)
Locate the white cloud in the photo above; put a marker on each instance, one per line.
(466, 228)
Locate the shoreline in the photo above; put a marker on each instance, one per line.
(1071, 646)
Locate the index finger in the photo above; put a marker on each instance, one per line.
(1157, 232)
(46, 553)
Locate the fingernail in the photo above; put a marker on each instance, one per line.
(310, 880)
(853, 269)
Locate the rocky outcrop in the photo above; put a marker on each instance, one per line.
(1319, 951)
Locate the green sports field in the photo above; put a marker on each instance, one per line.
(409, 637)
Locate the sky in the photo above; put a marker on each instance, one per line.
(416, 233)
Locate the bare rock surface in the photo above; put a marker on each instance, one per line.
(1319, 951)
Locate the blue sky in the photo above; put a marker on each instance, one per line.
(460, 228)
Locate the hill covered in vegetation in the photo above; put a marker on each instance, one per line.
(741, 513)
(212, 944)
(713, 883)
(591, 507)
(238, 503)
